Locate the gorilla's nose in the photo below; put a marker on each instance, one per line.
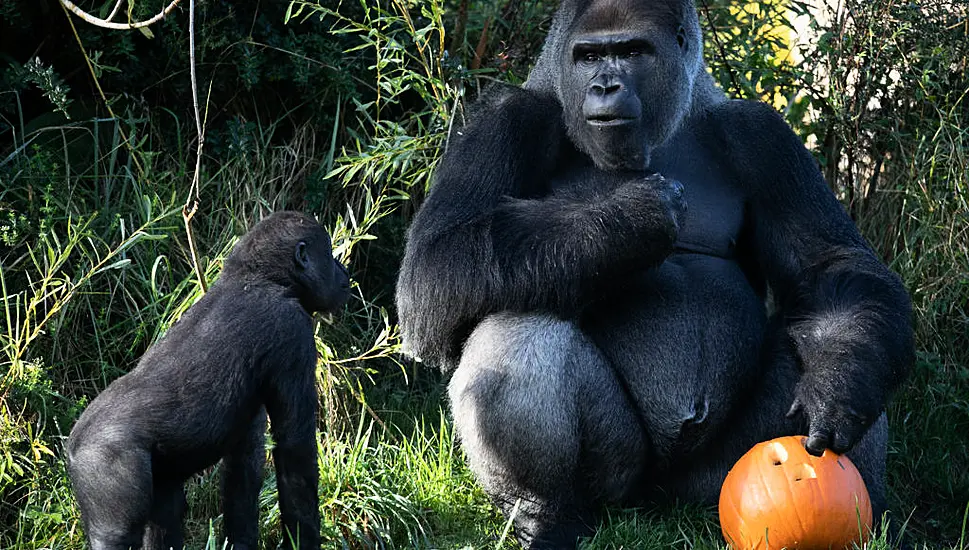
(609, 102)
(605, 88)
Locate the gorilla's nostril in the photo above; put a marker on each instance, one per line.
(605, 88)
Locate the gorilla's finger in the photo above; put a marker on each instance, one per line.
(677, 189)
(796, 408)
(817, 442)
(842, 441)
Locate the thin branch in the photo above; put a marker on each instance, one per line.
(479, 51)
(114, 11)
(107, 24)
(192, 202)
(721, 52)
(107, 104)
(457, 43)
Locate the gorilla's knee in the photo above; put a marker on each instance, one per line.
(515, 407)
(536, 405)
(512, 400)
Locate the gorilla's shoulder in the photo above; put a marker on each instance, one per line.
(756, 144)
(745, 117)
(515, 103)
(746, 129)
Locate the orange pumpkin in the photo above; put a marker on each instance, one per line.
(780, 496)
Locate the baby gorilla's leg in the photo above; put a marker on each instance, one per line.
(113, 482)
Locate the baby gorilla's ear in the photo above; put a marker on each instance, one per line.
(301, 257)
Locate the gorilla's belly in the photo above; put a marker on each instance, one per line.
(685, 339)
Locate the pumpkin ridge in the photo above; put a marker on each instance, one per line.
(740, 519)
(770, 494)
(820, 491)
(790, 492)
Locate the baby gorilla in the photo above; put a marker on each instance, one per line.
(202, 393)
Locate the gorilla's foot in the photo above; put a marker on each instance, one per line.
(560, 536)
(546, 524)
(544, 531)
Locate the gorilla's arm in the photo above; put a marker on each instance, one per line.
(847, 315)
(490, 238)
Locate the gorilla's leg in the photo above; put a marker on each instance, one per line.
(164, 529)
(545, 423)
(764, 417)
(113, 483)
(241, 481)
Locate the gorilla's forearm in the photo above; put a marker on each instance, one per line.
(449, 281)
(851, 314)
(550, 251)
(849, 326)
(542, 254)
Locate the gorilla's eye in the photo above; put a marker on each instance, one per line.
(636, 48)
(590, 57)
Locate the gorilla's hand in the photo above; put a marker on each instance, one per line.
(655, 206)
(834, 412)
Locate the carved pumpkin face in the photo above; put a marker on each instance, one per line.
(779, 496)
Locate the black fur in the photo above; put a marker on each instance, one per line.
(202, 393)
(616, 336)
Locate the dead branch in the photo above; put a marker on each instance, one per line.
(107, 24)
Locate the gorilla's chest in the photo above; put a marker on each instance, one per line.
(715, 207)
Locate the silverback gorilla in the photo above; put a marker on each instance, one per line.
(202, 393)
(609, 346)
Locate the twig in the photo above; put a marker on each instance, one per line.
(107, 24)
(459, 28)
(107, 104)
(721, 52)
(114, 11)
(479, 51)
(192, 202)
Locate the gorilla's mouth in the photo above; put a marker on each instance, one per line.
(605, 121)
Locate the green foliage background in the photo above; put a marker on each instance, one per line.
(341, 109)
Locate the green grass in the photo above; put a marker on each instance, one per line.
(404, 486)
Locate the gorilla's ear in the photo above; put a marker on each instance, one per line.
(681, 38)
(301, 256)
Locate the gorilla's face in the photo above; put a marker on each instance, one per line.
(625, 85)
(323, 281)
